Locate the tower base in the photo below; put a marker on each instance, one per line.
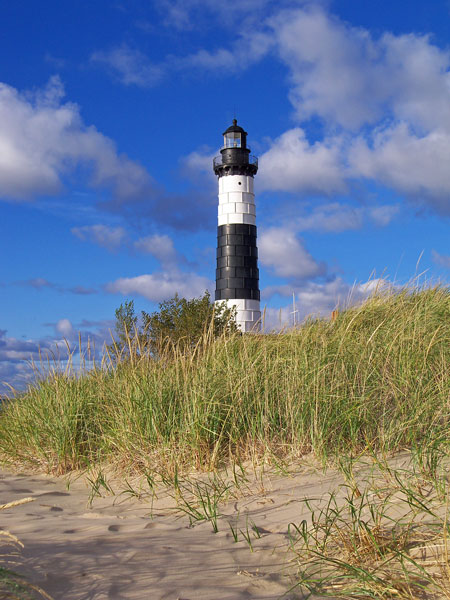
(248, 314)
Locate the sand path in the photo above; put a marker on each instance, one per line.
(115, 550)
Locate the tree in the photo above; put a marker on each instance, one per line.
(178, 321)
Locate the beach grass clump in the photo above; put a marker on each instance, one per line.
(384, 537)
(376, 378)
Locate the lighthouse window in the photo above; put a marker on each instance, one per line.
(232, 139)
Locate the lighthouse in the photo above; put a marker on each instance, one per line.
(237, 275)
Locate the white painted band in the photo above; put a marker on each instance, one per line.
(230, 219)
(248, 314)
(235, 183)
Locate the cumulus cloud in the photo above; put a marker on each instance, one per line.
(43, 140)
(107, 237)
(160, 286)
(413, 165)
(443, 260)
(293, 164)
(199, 164)
(284, 253)
(387, 98)
(130, 65)
(344, 75)
(159, 246)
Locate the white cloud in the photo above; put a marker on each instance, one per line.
(43, 140)
(336, 217)
(282, 251)
(293, 164)
(199, 162)
(161, 286)
(442, 260)
(344, 75)
(387, 101)
(331, 217)
(107, 237)
(64, 328)
(414, 165)
(246, 50)
(161, 247)
(131, 66)
(382, 215)
(325, 59)
(195, 14)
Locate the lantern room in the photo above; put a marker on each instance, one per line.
(235, 136)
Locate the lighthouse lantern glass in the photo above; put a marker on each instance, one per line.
(232, 139)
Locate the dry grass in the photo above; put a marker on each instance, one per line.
(376, 377)
(383, 536)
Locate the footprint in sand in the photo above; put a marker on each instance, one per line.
(114, 528)
(154, 525)
(52, 507)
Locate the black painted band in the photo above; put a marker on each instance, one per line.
(237, 261)
(237, 274)
(227, 272)
(237, 294)
(242, 228)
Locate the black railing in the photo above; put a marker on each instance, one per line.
(218, 161)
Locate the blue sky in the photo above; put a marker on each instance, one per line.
(111, 113)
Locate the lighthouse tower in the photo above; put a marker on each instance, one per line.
(237, 275)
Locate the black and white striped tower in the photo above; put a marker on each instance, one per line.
(237, 275)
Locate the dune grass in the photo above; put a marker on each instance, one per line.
(377, 378)
(374, 381)
(382, 536)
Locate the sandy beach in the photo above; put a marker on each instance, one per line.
(115, 549)
(119, 547)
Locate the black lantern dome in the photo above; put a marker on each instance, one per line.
(235, 157)
(234, 136)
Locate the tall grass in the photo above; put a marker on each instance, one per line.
(375, 378)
